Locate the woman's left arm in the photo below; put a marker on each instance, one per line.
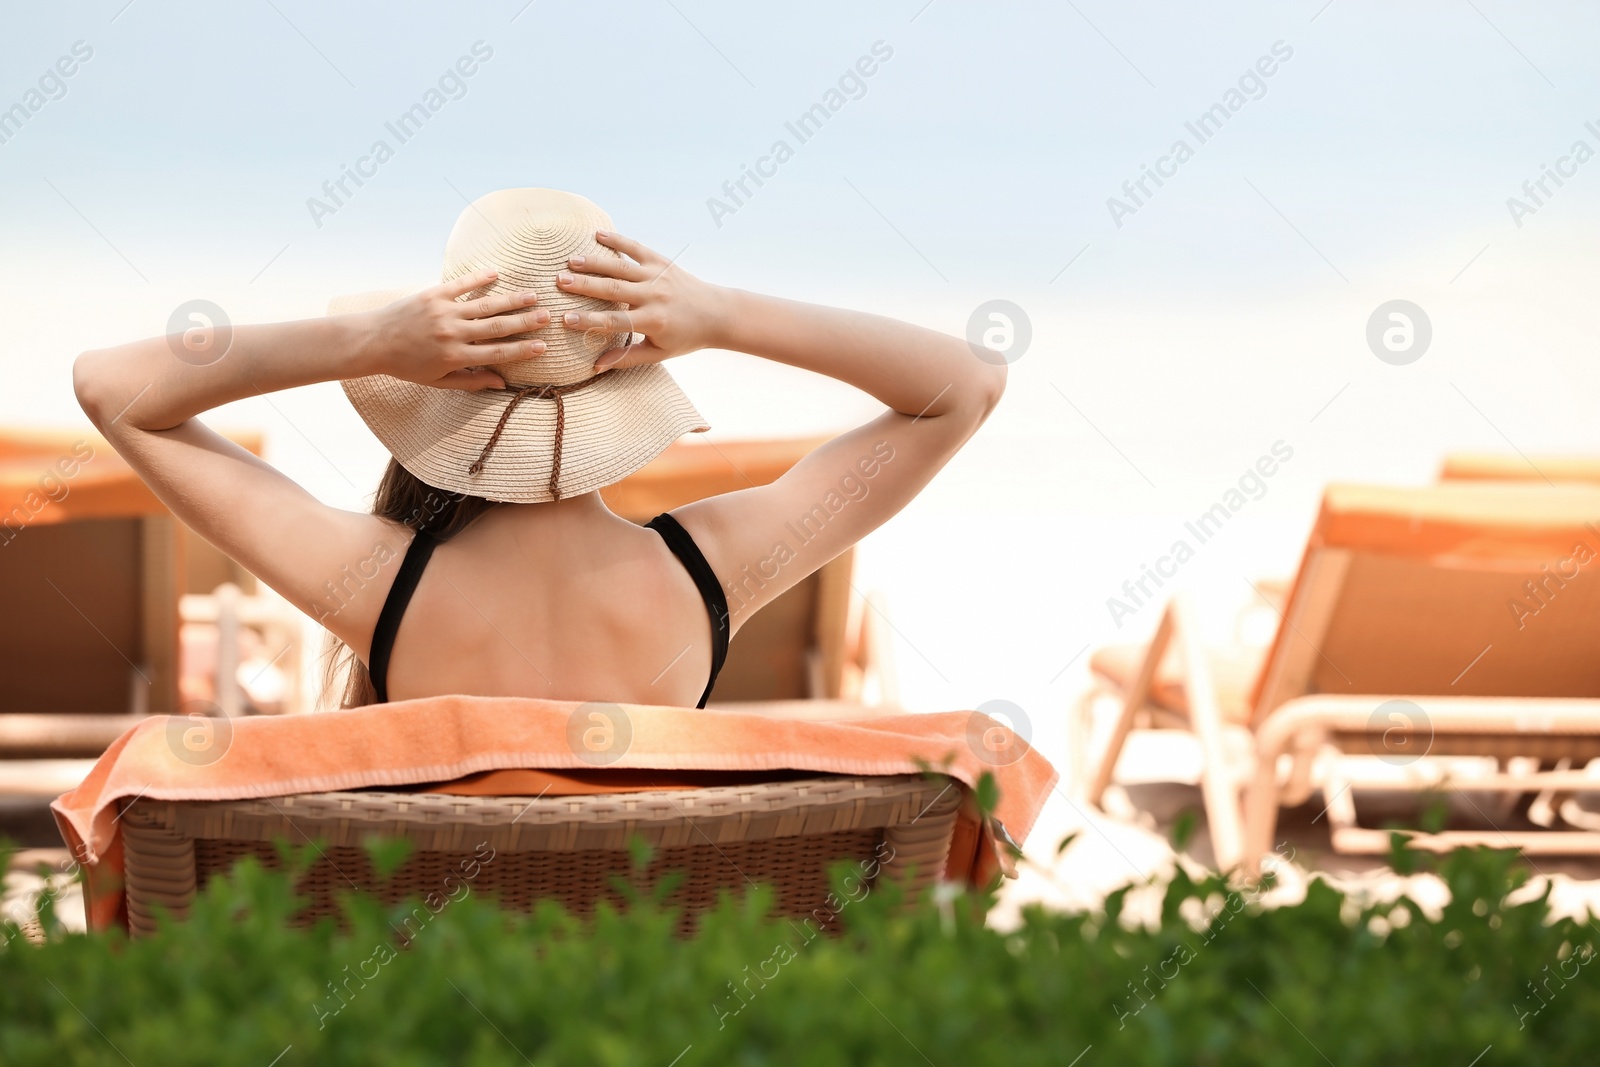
(144, 398)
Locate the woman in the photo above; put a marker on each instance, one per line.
(509, 394)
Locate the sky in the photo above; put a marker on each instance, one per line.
(1368, 154)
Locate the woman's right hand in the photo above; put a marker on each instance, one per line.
(436, 338)
(677, 312)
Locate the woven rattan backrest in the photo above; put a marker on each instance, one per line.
(784, 834)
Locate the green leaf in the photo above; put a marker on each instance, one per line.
(386, 854)
(987, 794)
(1183, 828)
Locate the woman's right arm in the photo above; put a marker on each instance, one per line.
(763, 540)
(332, 564)
(938, 393)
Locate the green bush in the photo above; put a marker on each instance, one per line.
(1323, 981)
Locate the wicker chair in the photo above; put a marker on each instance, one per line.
(784, 834)
(797, 659)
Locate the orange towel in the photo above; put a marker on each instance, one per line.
(443, 739)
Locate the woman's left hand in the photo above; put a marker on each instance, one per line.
(438, 337)
(677, 312)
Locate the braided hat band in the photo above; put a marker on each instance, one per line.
(537, 392)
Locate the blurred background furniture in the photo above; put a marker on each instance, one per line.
(1502, 467)
(815, 642)
(785, 833)
(94, 572)
(1234, 666)
(1402, 640)
(256, 640)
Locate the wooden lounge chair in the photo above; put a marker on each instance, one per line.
(1401, 638)
(812, 643)
(1498, 467)
(568, 848)
(93, 567)
(1235, 666)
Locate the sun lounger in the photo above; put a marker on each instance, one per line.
(1496, 466)
(1235, 666)
(1453, 620)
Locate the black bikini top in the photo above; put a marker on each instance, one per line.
(421, 550)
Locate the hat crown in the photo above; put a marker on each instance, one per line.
(528, 235)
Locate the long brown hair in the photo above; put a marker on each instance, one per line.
(401, 498)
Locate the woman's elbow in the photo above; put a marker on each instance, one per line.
(994, 387)
(968, 402)
(983, 396)
(89, 382)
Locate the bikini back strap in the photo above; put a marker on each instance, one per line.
(705, 579)
(394, 609)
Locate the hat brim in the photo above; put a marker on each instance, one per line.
(611, 428)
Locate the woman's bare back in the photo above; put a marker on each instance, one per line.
(566, 601)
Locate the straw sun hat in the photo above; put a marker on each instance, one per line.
(557, 429)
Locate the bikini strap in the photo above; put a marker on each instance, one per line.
(394, 609)
(705, 579)
(421, 550)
